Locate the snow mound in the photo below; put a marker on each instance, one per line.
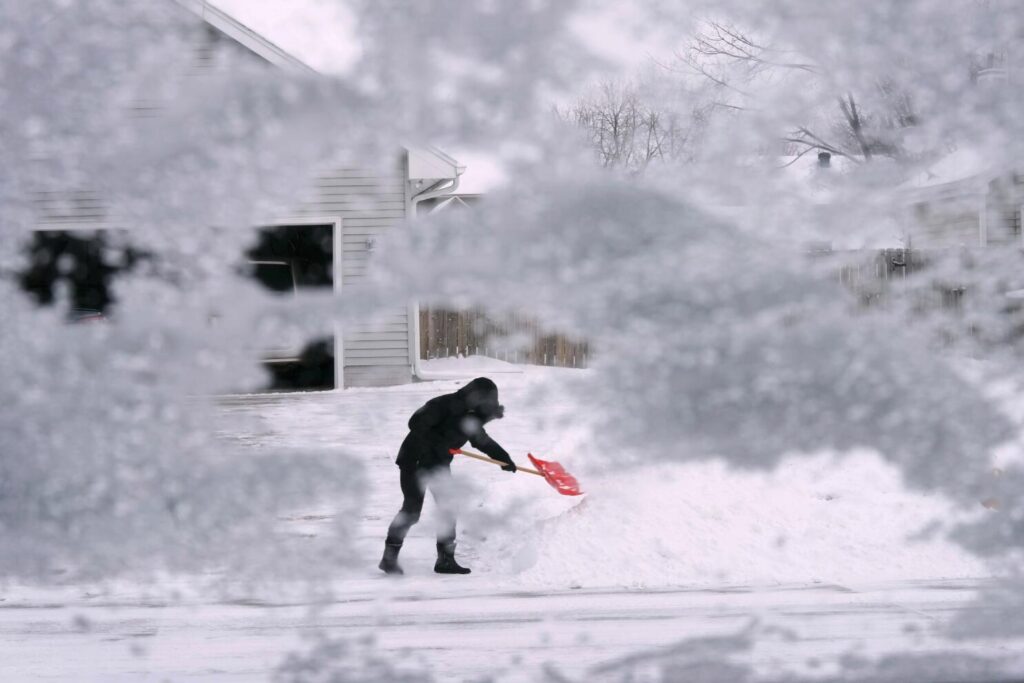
(823, 518)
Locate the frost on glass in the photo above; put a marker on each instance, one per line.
(111, 462)
(703, 263)
(721, 325)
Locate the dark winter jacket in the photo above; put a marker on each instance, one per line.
(448, 422)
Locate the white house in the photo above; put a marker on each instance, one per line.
(963, 200)
(355, 205)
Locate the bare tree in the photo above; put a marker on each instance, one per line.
(629, 133)
(731, 60)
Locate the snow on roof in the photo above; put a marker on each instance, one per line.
(805, 177)
(966, 163)
(807, 164)
(832, 188)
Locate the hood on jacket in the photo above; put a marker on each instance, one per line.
(481, 397)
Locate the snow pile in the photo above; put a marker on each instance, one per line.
(823, 518)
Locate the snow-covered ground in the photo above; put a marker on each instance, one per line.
(832, 550)
(820, 518)
(468, 629)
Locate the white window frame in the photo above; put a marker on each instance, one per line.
(336, 275)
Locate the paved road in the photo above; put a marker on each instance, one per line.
(461, 631)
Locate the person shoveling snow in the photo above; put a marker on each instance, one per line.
(440, 426)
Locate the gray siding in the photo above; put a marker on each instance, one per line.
(212, 51)
(947, 220)
(208, 51)
(369, 202)
(71, 210)
(1003, 210)
(969, 213)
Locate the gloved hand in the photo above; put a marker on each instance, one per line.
(511, 467)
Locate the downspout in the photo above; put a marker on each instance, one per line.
(414, 312)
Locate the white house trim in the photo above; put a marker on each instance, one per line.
(237, 31)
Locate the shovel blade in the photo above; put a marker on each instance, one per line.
(555, 474)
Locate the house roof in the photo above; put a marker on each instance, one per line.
(804, 177)
(424, 162)
(965, 169)
(245, 36)
(430, 163)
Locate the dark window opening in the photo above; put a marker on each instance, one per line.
(312, 370)
(306, 250)
(287, 259)
(85, 261)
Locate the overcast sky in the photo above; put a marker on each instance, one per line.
(323, 33)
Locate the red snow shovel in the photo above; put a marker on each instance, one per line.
(553, 473)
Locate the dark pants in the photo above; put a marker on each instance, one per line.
(414, 482)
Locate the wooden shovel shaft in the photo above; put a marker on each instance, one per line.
(498, 462)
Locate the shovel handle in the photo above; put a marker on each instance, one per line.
(493, 461)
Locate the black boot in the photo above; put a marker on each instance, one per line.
(446, 563)
(389, 563)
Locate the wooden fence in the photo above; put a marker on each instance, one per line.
(513, 338)
(870, 276)
(518, 339)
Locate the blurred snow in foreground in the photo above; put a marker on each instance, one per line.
(825, 552)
